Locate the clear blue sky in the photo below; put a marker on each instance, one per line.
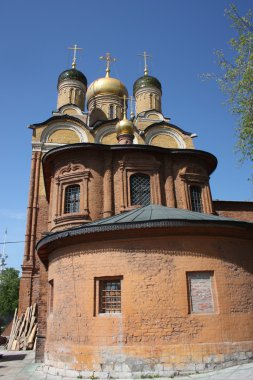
(181, 35)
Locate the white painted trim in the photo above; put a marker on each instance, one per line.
(158, 131)
(48, 131)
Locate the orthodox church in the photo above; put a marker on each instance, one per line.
(136, 271)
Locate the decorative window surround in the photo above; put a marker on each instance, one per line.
(201, 181)
(72, 174)
(133, 165)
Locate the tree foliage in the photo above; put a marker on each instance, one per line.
(236, 80)
(9, 288)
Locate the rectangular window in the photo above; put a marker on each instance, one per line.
(51, 296)
(196, 199)
(200, 290)
(109, 295)
(72, 199)
(140, 189)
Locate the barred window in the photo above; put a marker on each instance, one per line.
(140, 189)
(110, 296)
(196, 199)
(72, 199)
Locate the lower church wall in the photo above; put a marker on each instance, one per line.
(157, 331)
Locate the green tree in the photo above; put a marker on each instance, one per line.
(9, 288)
(236, 80)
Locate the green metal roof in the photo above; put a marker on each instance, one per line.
(72, 74)
(144, 218)
(156, 212)
(146, 81)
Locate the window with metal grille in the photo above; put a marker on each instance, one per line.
(110, 296)
(72, 199)
(140, 189)
(196, 200)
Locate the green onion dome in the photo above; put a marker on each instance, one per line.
(146, 81)
(72, 74)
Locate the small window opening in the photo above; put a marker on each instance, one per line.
(140, 189)
(200, 290)
(196, 199)
(110, 296)
(72, 199)
(111, 113)
(51, 295)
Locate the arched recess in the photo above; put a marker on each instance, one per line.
(50, 130)
(155, 132)
(95, 115)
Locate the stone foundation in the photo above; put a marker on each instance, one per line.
(121, 366)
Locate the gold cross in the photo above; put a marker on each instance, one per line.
(108, 60)
(131, 107)
(124, 106)
(125, 99)
(75, 48)
(145, 56)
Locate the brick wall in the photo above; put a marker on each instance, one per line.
(155, 321)
(235, 210)
(200, 290)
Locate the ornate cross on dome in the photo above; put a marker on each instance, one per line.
(108, 60)
(145, 56)
(75, 48)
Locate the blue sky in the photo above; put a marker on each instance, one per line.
(181, 36)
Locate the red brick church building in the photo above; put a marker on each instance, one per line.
(135, 269)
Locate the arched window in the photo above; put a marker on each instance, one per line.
(111, 113)
(72, 199)
(196, 200)
(140, 189)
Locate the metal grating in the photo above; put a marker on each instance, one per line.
(72, 199)
(110, 296)
(140, 189)
(196, 200)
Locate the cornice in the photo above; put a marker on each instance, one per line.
(177, 227)
(64, 117)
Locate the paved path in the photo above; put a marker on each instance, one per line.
(19, 365)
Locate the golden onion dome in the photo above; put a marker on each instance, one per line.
(106, 85)
(125, 127)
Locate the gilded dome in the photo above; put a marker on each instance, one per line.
(146, 81)
(72, 74)
(124, 127)
(106, 85)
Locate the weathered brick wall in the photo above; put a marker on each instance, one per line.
(37, 224)
(158, 165)
(155, 326)
(200, 292)
(235, 210)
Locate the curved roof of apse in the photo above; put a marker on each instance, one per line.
(151, 216)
